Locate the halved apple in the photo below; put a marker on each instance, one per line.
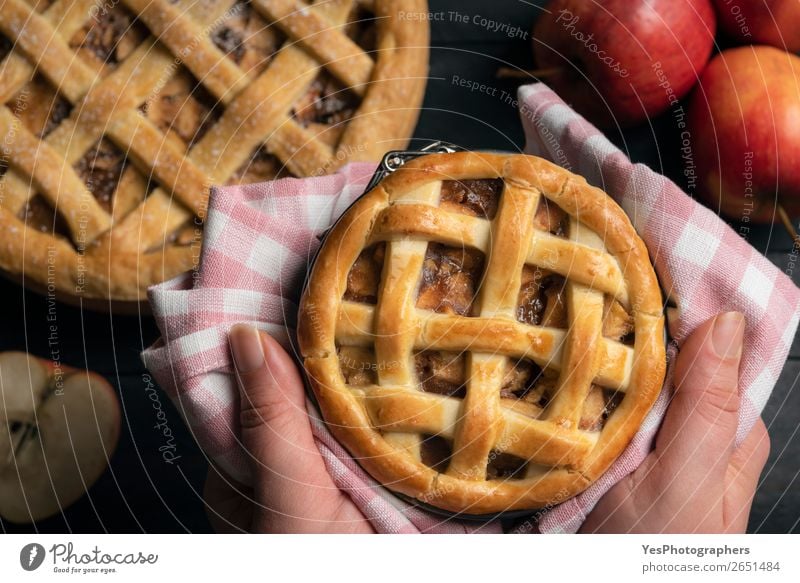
(58, 429)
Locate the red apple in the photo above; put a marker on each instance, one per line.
(769, 22)
(622, 61)
(744, 120)
(58, 427)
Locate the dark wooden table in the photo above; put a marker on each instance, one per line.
(142, 493)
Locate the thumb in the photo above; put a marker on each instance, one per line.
(275, 427)
(697, 437)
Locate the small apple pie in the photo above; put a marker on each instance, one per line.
(483, 332)
(118, 116)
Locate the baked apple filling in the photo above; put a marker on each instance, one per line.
(551, 218)
(442, 373)
(599, 405)
(110, 37)
(42, 114)
(5, 46)
(617, 322)
(100, 169)
(323, 109)
(358, 366)
(525, 380)
(450, 279)
(478, 198)
(541, 298)
(365, 275)
(247, 39)
(38, 214)
(435, 452)
(361, 27)
(326, 103)
(183, 109)
(504, 466)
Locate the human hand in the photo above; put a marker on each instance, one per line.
(293, 491)
(695, 481)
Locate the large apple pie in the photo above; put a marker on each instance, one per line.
(117, 117)
(483, 332)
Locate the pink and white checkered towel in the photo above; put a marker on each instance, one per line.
(259, 238)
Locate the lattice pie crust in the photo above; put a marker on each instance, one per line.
(484, 332)
(112, 138)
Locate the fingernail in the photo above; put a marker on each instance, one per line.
(728, 334)
(248, 351)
